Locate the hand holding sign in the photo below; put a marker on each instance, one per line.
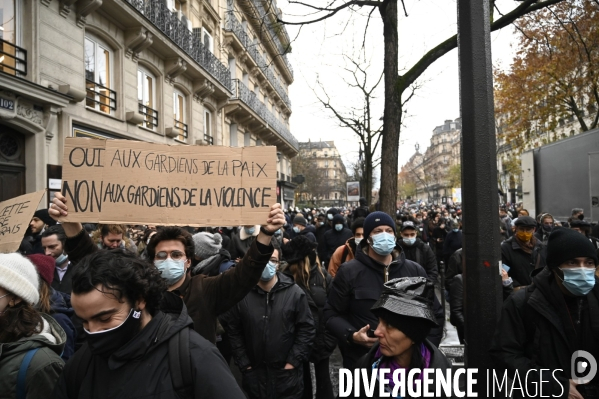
(58, 208)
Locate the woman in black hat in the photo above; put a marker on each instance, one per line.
(303, 265)
(405, 319)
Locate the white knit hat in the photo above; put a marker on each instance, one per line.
(207, 244)
(18, 275)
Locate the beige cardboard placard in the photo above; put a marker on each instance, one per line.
(15, 215)
(132, 182)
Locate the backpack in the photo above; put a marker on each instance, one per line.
(179, 360)
(21, 388)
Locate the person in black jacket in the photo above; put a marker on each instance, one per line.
(271, 332)
(405, 318)
(544, 324)
(517, 251)
(302, 228)
(417, 251)
(126, 353)
(361, 211)
(452, 242)
(310, 276)
(358, 285)
(336, 237)
(53, 240)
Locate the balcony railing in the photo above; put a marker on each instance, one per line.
(160, 16)
(182, 128)
(13, 59)
(150, 116)
(233, 25)
(249, 98)
(209, 139)
(99, 96)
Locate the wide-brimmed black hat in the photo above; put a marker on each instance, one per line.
(408, 296)
(298, 248)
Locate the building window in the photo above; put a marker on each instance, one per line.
(326, 173)
(233, 135)
(207, 40)
(13, 59)
(180, 120)
(326, 164)
(247, 139)
(146, 96)
(208, 136)
(98, 76)
(335, 195)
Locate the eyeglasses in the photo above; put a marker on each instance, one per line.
(175, 255)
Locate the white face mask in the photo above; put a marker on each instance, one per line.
(357, 240)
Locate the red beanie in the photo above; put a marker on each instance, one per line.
(45, 266)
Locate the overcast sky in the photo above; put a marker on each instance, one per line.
(318, 56)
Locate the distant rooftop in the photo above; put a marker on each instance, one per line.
(316, 145)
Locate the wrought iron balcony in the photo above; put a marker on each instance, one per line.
(182, 128)
(249, 98)
(209, 139)
(160, 16)
(150, 116)
(100, 97)
(233, 25)
(13, 59)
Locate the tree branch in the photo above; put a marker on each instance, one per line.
(330, 11)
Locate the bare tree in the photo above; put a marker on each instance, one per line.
(361, 121)
(397, 86)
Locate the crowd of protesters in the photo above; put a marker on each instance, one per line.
(115, 311)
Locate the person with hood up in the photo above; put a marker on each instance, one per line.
(362, 211)
(302, 228)
(359, 283)
(547, 223)
(131, 344)
(517, 251)
(405, 319)
(55, 303)
(32, 242)
(303, 266)
(417, 251)
(322, 226)
(346, 252)
(544, 324)
(271, 332)
(242, 239)
(452, 242)
(29, 340)
(336, 237)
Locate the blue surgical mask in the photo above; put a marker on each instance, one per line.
(296, 229)
(330, 216)
(278, 232)
(579, 281)
(456, 230)
(383, 243)
(338, 227)
(172, 270)
(61, 259)
(409, 241)
(249, 230)
(321, 223)
(269, 272)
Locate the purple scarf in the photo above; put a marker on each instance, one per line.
(391, 363)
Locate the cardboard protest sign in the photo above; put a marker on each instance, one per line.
(123, 181)
(15, 215)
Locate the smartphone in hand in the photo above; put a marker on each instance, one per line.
(370, 333)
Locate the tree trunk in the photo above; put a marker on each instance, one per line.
(392, 112)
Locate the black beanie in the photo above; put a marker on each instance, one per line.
(375, 219)
(417, 329)
(44, 216)
(566, 244)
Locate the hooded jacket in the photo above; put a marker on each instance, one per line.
(140, 368)
(45, 366)
(334, 239)
(437, 361)
(536, 332)
(356, 287)
(309, 233)
(268, 330)
(422, 254)
(205, 297)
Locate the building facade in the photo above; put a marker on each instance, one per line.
(430, 172)
(324, 174)
(194, 72)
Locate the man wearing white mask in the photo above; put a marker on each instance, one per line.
(359, 283)
(417, 251)
(171, 249)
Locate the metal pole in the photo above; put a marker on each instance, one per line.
(482, 281)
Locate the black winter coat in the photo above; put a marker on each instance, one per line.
(437, 361)
(333, 239)
(422, 254)
(268, 330)
(64, 285)
(309, 233)
(140, 369)
(520, 262)
(322, 249)
(453, 242)
(535, 332)
(356, 287)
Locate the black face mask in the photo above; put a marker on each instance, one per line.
(105, 343)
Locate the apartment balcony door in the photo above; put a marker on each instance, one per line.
(12, 164)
